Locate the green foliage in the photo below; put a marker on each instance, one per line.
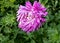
(10, 33)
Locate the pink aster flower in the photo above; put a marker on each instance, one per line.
(31, 17)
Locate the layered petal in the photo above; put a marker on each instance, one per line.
(28, 5)
(31, 17)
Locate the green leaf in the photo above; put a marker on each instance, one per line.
(12, 0)
(43, 1)
(7, 30)
(8, 19)
(32, 41)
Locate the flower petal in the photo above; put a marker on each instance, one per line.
(28, 5)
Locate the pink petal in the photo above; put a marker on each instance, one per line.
(28, 5)
(35, 3)
(45, 14)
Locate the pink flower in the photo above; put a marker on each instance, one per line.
(31, 17)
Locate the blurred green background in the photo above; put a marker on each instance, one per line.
(10, 33)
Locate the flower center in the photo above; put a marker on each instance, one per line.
(30, 16)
